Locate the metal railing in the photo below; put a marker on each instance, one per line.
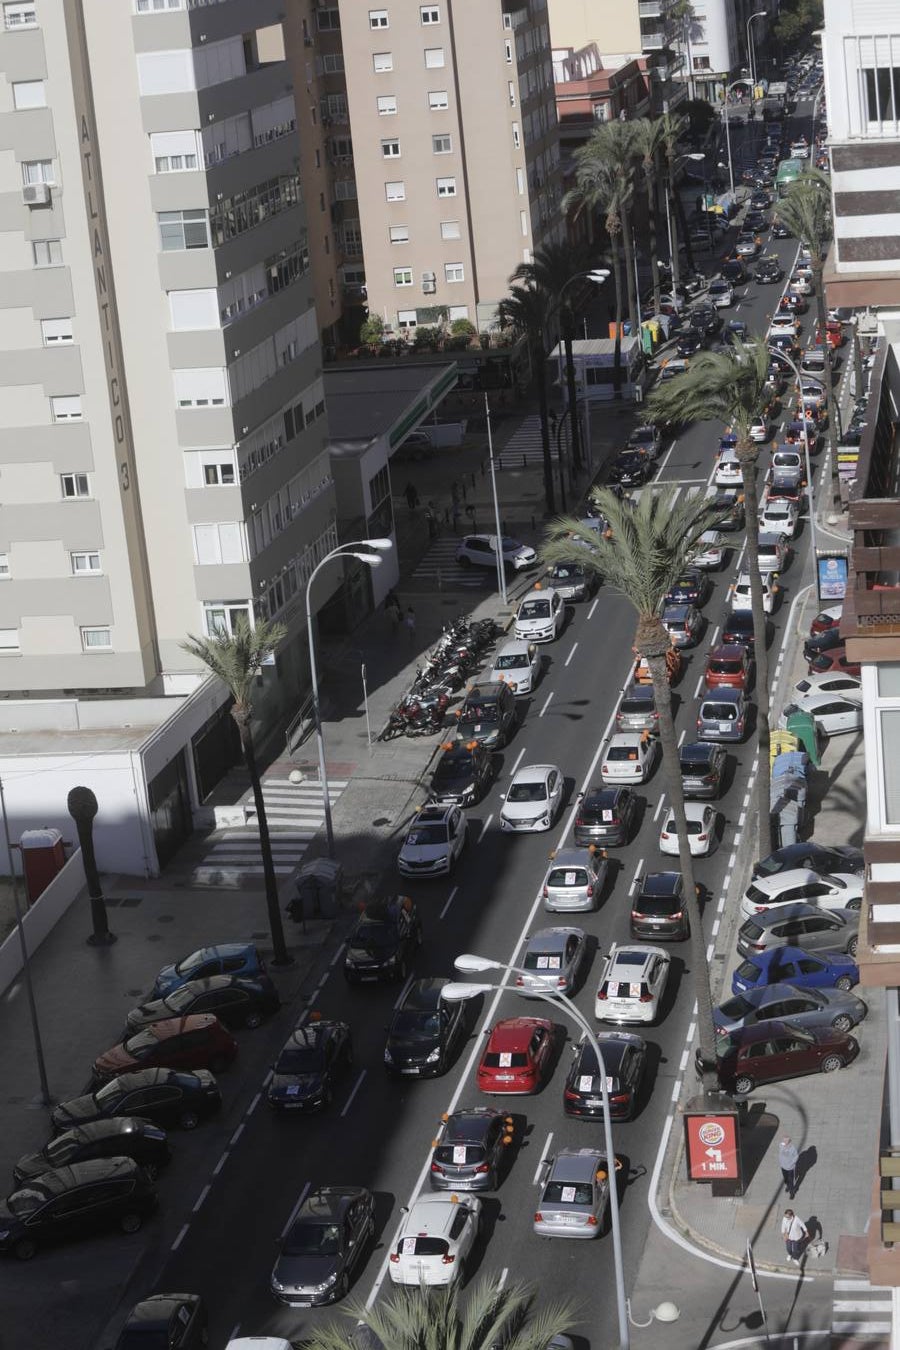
(301, 725)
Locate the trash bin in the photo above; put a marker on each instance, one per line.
(803, 725)
(320, 885)
(43, 857)
(780, 742)
(790, 762)
(787, 819)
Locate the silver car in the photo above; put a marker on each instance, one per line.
(806, 926)
(815, 1009)
(552, 960)
(575, 879)
(575, 1195)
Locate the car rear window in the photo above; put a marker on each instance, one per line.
(757, 896)
(543, 961)
(747, 971)
(635, 705)
(459, 1155)
(718, 712)
(506, 1059)
(571, 876)
(621, 752)
(423, 1246)
(568, 1193)
(725, 667)
(751, 930)
(658, 906)
(624, 988)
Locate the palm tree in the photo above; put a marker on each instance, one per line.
(553, 268)
(649, 138)
(528, 309)
(236, 659)
(731, 387)
(422, 1318)
(597, 187)
(612, 146)
(673, 127)
(806, 210)
(642, 555)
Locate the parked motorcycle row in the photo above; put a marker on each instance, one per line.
(459, 652)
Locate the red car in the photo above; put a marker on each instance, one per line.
(834, 332)
(516, 1056)
(826, 619)
(199, 1042)
(729, 666)
(834, 660)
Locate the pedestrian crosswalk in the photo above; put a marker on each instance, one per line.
(439, 568)
(294, 811)
(524, 449)
(861, 1310)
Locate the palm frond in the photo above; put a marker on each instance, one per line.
(806, 210)
(730, 386)
(236, 658)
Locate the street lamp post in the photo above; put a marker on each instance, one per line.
(371, 560)
(760, 14)
(699, 157)
(501, 563)
(471, 964)
(782, 356)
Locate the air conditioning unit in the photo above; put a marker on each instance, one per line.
(36, 194)
(429, 283)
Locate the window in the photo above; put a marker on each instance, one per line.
(516, 135)
(83, 564)
(56, 332)
(449, 229)
(22, 15)
(520, 181)
(430, 14)
(390, 149)
(507, 47)
(191, 310)
(157, 6)
(166, 72)
(183, 229)
(403, 276)
(234, 215)
(446, 187)
(382, 62)
(96, 639)
(29, 94)
(407, 318)
(75, 485)
(38, 171)
(701, 63)
(219, 474)
(66, 408)
(442, 145)
(329, 20)
(523, 223)
(438, 100)
(200, 387)
(434, 57)
(387, 105)
(9, 639)
(4, 567)
(459, 312)
(46, 252)
(379, 487)
(882, 93)
(395, 192)
(215, 544)
(399, 234)
(511, 88)
(174, 151)
(378, 18)
(454, 272)
(223, 616)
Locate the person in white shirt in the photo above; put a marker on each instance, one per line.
(795, 1234)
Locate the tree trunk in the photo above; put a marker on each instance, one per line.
(673, 223)
(568, 326)
(682, 225)
(241, 716)
(627, 244)
(617, 349)
(653, 220)
(540, 378)
(748, 455)
(653, 642)
(821, 317)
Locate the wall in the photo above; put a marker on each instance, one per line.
(41, 918)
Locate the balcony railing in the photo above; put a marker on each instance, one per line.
(652, 9)
(655, 42)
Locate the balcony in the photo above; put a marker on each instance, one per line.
(652, 9)
(656, 41)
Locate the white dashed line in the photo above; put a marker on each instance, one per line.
(356, 1086)
(546, 704)
(448, 902)
(295, 1210)
(699, 687)
(710, 951)
(715, 928)
(545, 1153)
(685, 1056)
(721, 905)
(237, 1134)
(254, 1104)
(519, 758)
(571, 653)
(268, 1078)
(715, 636)
(221, 1163)
(681, 738)
(338, 954)
(637, 872)
(659, 806)
(180, 1238)
(590, 612)
(742, 820)
(485, 827)
(200, 1198)
(676, 1090)
(502, 1280)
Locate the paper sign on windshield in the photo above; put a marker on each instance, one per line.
(409, 1246)
(543, 962)
(554, 962)
(568, 1195)
(570, 879)
(585, 1082)
(607, 815)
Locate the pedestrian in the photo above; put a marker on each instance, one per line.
(432, 520)
(454, 492)
(788, 1157)
(412, 497)
(795, 1233)
(410, 622)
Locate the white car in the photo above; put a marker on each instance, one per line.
(779, 515)
(833, 682)
(834, 890)
(720, 293)
(632, 983)
(630, 757)
(517, 664)
(759, 430)
(541, 616)
(740, 592)
(728, 470)
(435, 839)
(437, 1235)
(799, 150)
(712, 550)
(834, 713)
(800, 283)
(701, 822)
(533, 800)
(784, 323)
(480, 550)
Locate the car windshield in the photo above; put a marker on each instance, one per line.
(190, 962)
(567, 1193)
(723, 667)
(370, 933)
(459, 1154)
(182, 998)
(534, 609)
(414, 1024)
(144, 1338)
(747, 972)
(718, 712)
(635, 705)
(567, 876)
(527, 792)
(60, 1151)
(734, 1008)
(299, 1059)
(313, 1239)
(510, 545)
(481, 712)
(424, 836)
(565, 572)
(505, 1059)
(511, 661)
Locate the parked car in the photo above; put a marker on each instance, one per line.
(632, 984)
(723, 716)
(575, 878)
(324, 1246)
(174, 1043)
(833, 682)
(702, 765)
(793, 965)
(121, 1137)
(823, 640)
(313, 1059)
(835, 660)
(434, 841)
(463, 774)
(826, 619)
(834, 713)
(229, 958)
(658, 910)
(488, 715)
(841, 858)
(811, 1008)
(165, 1097)
(169, 1321)
(67, 1203)
(606, 816)
(624, 1067)
(541, 616)
(816, 929)
(480, 550)
(576, 1194)
(517, 1056)
(775, 1051)
(827, 890)
(425, 1031)
(236, 1001)
(533, 800)
(470, 1152)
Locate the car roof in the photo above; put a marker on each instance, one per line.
(794, 876)
(550, 939)
(790, 953)
(513, 646)
(798, 909)
(577, 1164)
(572, 857)
(431, 815)
(157, 1309)
(633, 956)
(58, 1180)
(514, 1033)
(626, 738)
(488, 692)
(309, 1036)
(700, 751)
(431, 1214)
(328, 1202)
(677, 611)
(533, 773)
(538, 593)
(638, 691)
(471, 1124)
(811, 701)
(425, 994)
(661, 883)
(764, 1031)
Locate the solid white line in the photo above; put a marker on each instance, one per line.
(448, 902)
(590, 612)
(546, 704)
(402, 995)
(356, 1086)
(294, 1211)
(545, 1153)
(485, 827)
(676, 1090)
(254, 1104)
(237, 1134)
(699, 687)
(681, 738)
(268, 1078)
(502, 1280)
(337, 956)
(571, 654)
(221, 1163)
(519, 758)
(665, 459)
(659, 806)
(180, 1238)
(685, 1056)
(200, 1198)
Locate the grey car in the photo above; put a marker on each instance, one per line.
(637, 709)
(606, 817)
(800, 925)
(811, 1008)
(575, 1191)
(723, 716)
(575, 879)
(469, 1154)
(323, 1245)
(702, 765)
(572, 581)
(552, 960)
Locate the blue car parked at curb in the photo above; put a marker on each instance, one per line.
(792, 965)
(230, 958)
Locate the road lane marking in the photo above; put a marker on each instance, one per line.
(520, 757)
(402, 995)
(545, 1154)
(221, 1163)
(659, 805)
(681, 737)
(448, 902)
(485, 827)
(685, 1056)
(356, 1086)
(665, 459)
(293, 1214)
(571, 654)
(180, 1238)
(546, 704)
(200, 1198)
(237, 1134)
(637, 872)
(699, 687)
(338, 954)
(254, 1104)
(268, 1078)
(715, 637)
(502, 1280)
(590, 613)
(676, 1090)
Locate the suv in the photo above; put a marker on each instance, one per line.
(637, 709)
(606, 816)
(488, 715)
(658, 910)
(480, 550)
(723, 716)
(575, 879)
(702, 765)
(73, 1202)
(541, 616)
(800, 925)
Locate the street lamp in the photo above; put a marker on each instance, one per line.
(760, 14)
(597, 275)
(783, 356)
(501, 561)
(351, 550)
(470, 964)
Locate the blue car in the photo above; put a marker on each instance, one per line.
(792, 965)
(230, 958)
(691, 588)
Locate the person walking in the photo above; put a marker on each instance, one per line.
(795, 1233)
(412, 497)
(788, 1158)
(393, 610)
(410, 622)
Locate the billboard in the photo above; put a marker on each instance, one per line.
(831, 574)
(712, 1147)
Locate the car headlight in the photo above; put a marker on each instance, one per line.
(326, 1284)
(544, 819)
(434, 1056)
(388, 1057)
(277, 1285)
(4, 1235)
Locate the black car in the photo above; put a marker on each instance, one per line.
(705, 319)
(780, 230)
(235, 1000)
(624, 1065)
(325, 1244)
(75, 1202)
(816, 857)
(488, 715)
(702, 765)
(469, 1154)
(689, 343)
(756, 221)
(734, 271)
(121, 1137)
(739, 628)
(383, 941)
(823, 642)
(424, 1031)
(463, 774)
(691, 588)
(768, 270)
(785, 342)
(311, 1061)
(760, 200)
(166, 1322)
(606, 816)
(730, 503)
(631, 468)
(166, 1097)
(658, 910)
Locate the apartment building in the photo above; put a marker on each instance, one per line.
(626, 31)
